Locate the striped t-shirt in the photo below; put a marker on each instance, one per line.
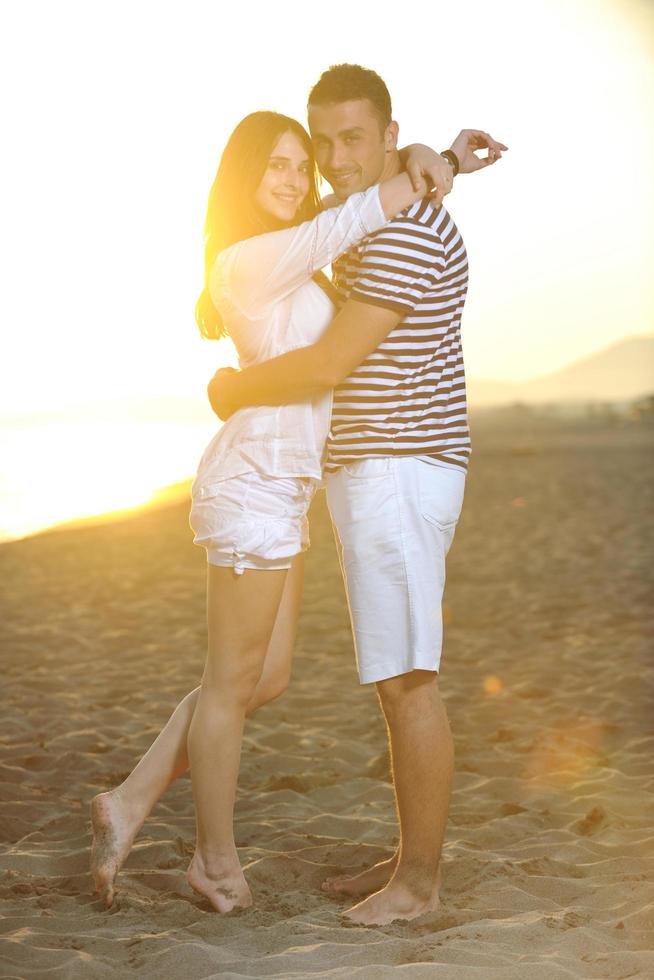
(408, 397)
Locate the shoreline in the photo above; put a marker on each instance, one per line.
(166, 496)
(519, 429)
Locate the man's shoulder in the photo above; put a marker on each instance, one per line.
(413, 232)
(421, 221)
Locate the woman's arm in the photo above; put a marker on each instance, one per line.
(262, 270)
(421, 161)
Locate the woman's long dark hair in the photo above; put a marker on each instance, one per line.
(232, 213)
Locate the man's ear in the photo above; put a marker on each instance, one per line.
(390, 136)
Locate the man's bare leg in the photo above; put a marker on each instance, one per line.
(118, 815)
(422, 756)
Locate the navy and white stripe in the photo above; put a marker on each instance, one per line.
(408, 398)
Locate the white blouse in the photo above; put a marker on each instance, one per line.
(262, 288)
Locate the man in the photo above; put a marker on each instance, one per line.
(397, 457)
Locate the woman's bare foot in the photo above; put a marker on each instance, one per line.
(370, 880)
(225, 887)
(114, 829)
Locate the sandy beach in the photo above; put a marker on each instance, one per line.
(548, 679)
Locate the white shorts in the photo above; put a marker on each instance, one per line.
(252, 520)
(394, 519)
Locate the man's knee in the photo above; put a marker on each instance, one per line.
(407, 690)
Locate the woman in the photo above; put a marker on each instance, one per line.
(266, 240)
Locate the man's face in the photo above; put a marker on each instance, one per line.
(351, 148)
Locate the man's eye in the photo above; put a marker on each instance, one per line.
(350, 139)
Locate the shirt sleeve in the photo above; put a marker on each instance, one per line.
(399, 266)
(255, 273)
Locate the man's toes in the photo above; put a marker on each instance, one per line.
(331, 884)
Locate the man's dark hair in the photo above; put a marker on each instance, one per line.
(343, 83)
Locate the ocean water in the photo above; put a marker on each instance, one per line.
(52, 472)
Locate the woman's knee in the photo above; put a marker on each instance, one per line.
(269, 689)
(235, 681)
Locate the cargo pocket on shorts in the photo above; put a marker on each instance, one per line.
(218, 514)
(437, 520)
(440, 494)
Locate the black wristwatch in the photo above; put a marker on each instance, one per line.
(452, 159)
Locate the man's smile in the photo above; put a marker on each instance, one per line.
(342, 177)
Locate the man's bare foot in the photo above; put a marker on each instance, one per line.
(402, 898)
(225, 888)
(114, 830)
(370, 880)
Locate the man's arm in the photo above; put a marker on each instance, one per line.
(354, 333)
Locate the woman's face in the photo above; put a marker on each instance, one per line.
(287, 179)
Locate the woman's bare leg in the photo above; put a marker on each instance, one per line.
(118, 815)
(241, 617)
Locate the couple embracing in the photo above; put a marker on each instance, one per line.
(358, 383)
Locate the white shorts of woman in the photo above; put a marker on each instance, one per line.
(394, 519)
(252, 520)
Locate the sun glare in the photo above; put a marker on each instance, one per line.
(103, 258)
(86, 468)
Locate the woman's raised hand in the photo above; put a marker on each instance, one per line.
(470, 140)
(424, 164)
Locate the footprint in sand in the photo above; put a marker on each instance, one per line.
(591, 822)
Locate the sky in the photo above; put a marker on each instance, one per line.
(118, 112)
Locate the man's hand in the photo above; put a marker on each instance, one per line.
(218, 391)
(470, 140)
(423, 163)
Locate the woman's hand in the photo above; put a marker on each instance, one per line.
(470, 140)
(218, 391)
(424, 164)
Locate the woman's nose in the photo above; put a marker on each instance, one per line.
(292, 178)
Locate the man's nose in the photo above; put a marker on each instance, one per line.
(337, 157)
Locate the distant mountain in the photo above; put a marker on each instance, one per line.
(622, 372)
